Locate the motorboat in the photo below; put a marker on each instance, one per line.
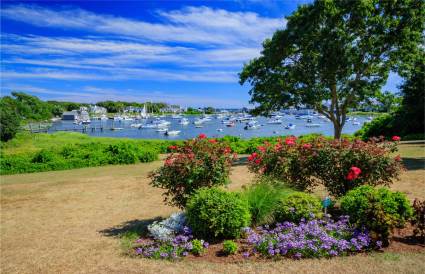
(103, 117)
(127, 118)
(137, 125)
(118, 118)
(251, 126)
(86, 122)
(219, 129)
(172, 132)
(162, 130)
(356, 123)
(313, 125)
(275, 122)
(231, 124)
(184, 122)
(176, 116)
(198, 121)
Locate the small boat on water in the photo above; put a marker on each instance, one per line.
(198, 122)
(86, 122)
(117, 128)
(172, 132)
(356, 123)
(309, 121)
(162, 130)
(290, 126)
(232, 124)
(184, 122)
(219, 129)
(312, 125)
(176, 116)
(252, 125)
(275, 122)
(137, 125)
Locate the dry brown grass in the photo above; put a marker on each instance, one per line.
(62, 222)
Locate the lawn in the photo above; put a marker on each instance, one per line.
(69, 221)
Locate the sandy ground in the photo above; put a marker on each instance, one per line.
(67, 222)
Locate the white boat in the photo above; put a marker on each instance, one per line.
(161, 130)
(118, 118)
(184, 122)
(370, 118)
(117, 128)
(356, 123)
(251, 126)
(290, 126)
(127, 118)
(198, 121)
(176, 116)
(103, 117)
(172, 132)
(275, 122)
(86, 122)
(219, 129)
(137, 125)
(199, 126)
(143, 113)
(312, 125)
(231, 124)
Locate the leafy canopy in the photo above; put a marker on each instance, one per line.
(334, 54)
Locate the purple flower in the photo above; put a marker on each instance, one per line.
(184, 253)
(163, 255)
(297, 255)
(379, 244)
(245, 254)
(206, 244)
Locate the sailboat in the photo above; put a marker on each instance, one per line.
(143, 113)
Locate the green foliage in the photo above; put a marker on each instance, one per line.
(297, 206)
(198, 163)
(409, 119)
(212, 212)
(71, 156)
(230, 247)
(378, 210)
(339, 51)
(9, 119)
(304, 165)
(262, 199)
(197, 247)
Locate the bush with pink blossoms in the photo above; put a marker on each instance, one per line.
(200, 162)
(338, 165)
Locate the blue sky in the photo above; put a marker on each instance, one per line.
(186, 53)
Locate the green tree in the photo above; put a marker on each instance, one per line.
(389, 101)
(9, 119)
(334, 54)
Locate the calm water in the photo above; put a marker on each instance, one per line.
(210, 128)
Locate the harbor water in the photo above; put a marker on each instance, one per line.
(212, 128)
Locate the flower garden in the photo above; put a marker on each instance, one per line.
(278, 215)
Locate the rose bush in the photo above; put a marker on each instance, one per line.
(339, 165)
(200, 162)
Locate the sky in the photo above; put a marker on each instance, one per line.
(179, 52)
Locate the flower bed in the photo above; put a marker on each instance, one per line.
(313, 239)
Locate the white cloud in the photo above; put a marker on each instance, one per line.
(193, 24)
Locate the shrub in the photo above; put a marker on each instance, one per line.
(338, 165)
(200, 162)
(262, 199)
(212, 212)
(312, 239)
(298, 206)
(378, 210)
(122, 153)
(418, 220)
(44, 156)
(197, 247)
(230, 247)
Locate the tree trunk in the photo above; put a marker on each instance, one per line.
(337, 130)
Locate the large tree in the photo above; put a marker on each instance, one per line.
(334, 54)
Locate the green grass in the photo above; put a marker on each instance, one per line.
(365, 113)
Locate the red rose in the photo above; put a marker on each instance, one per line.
(258, 161)
(397, 158)
(212, 141)
(252, 156)
(307, 146)
(396, 138)
(172, 147)
(290, 142)
(202, 136)
(261, 148)
(277, 147)
(227, 150)
(169, 162)
(353, 173)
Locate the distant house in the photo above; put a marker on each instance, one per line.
(98, 110)
(70, 115)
